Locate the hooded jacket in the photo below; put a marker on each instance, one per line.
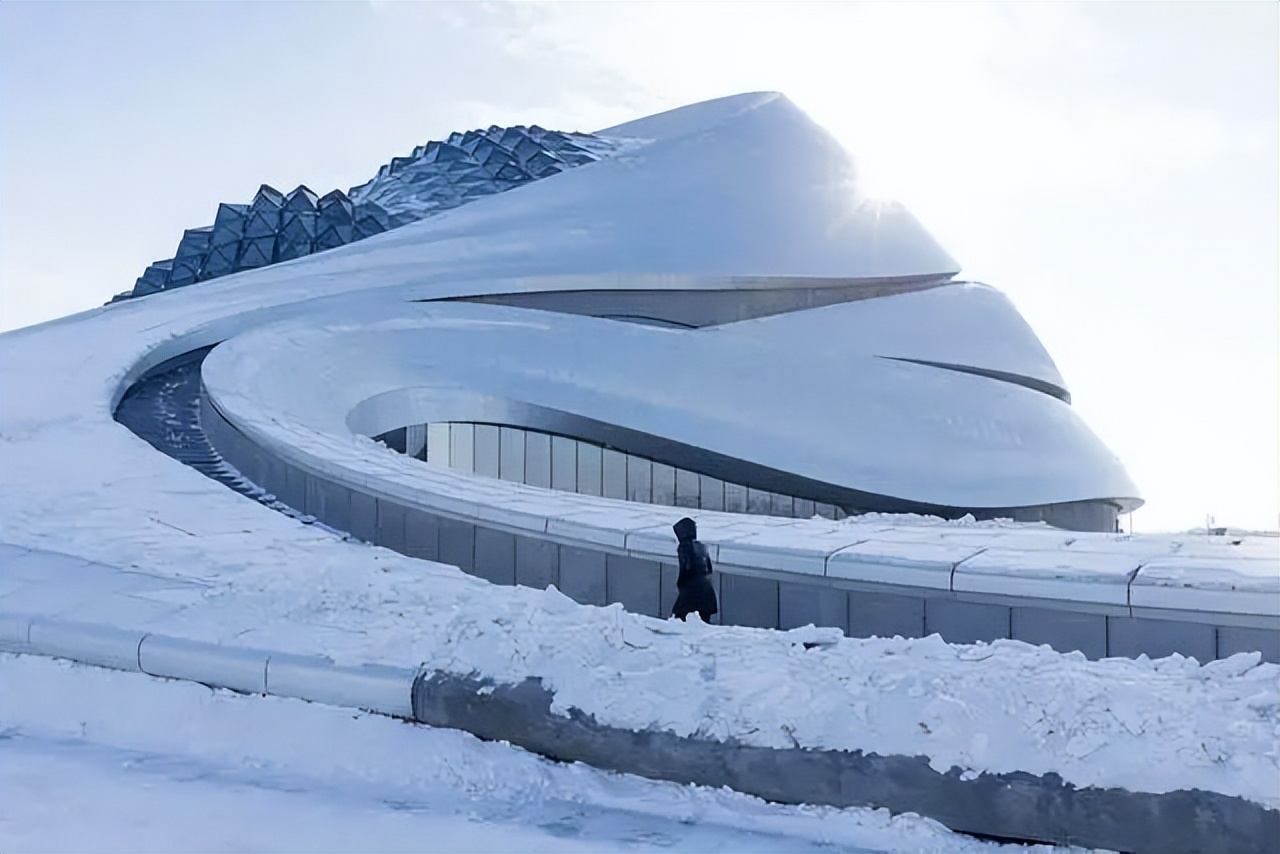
(695, 592)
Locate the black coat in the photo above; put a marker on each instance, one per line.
(695, 592)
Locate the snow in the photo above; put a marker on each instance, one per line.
(154, 545)
(1008, 706)
(105, 761)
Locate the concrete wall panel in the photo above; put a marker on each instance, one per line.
(329, 502)
(1133, 636)
(421, 534)
(582, 575)
(669, 574)
(457, 544)
(294, 491)
(496, 556)
(748, 601)
(537, 563)
(390, 533)
(885, 615)
(364, 517)
(1065, 631)
(1233, 639)
(965, 622)
(759, 502)
(635, 583)
(802, 604)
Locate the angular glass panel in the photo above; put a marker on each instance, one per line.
(687, 488)
(590, 468)
(486, 450)
(664, 485)
(511, 454)
(537, 459)
(711, 493)
(758, 501)
(615, 474)
(564, 464)
(639, 479)
(735, 498)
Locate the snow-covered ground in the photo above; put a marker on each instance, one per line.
(162, 549)
(96, 760)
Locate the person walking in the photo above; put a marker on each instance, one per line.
(695, 592)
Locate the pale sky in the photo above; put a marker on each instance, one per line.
(1113, 168)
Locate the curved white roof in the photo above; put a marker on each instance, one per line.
(821, 394)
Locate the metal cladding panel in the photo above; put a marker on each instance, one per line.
(803, 604)
(639, 479)
(511, 457)
(687, 489)
(537, 459)
(664, 485)
(885, 615)
(614, 474)
(635, 583)
(564, 464)
(748, 601)
(462, 439)
(1065, 631)
(966, 622)
(537, 563)
(582, 575)
(735, 498)
(486, 450)
(1233, 639)
(390, 532)
(457, 544)
(590, 469)
(495, 556)
(438, 443)
(364, 517)
(421, 534)
(710, 493)
(1130, 637)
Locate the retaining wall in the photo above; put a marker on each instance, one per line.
(830, 584)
